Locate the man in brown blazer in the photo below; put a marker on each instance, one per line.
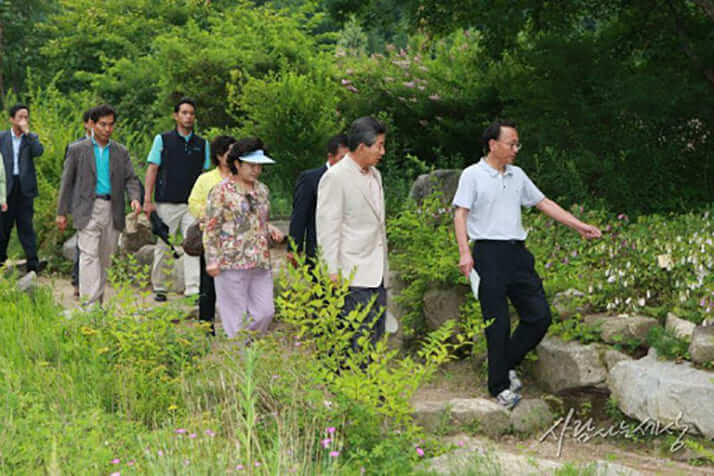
(350, 224)
(97, 173)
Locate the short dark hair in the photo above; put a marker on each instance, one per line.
(219, 146)
(493, 131)
(335, 142)
(13, 110)
(241, 148)
(184, 100)
(87, 114)
(364, 131)
(102, 111)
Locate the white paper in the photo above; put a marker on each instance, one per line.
(475, 280)
(391, 324)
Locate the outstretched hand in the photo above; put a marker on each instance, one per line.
(589, 231)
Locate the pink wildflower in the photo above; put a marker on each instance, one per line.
(116, 461)
(326, 442)
(334, 454)
(420, 451)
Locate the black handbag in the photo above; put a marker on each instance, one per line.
(193, 241)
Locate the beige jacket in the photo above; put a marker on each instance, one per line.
(350, 228)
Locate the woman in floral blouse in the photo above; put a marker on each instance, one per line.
(235, 240)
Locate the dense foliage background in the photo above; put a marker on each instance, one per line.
(613, 99)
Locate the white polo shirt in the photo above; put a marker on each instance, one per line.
(494, 201)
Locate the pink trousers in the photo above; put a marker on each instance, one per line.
(245, 300)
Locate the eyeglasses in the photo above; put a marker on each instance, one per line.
(515, 145)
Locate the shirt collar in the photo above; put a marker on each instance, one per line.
(12, 131)
(491, 171)
(357, 167)
(96, 144)
(185, 137)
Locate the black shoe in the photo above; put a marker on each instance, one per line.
(36, 266)
(160, 297)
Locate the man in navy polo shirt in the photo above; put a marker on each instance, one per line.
(176, 160)
(488, 205)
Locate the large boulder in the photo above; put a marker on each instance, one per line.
(702, 347)
(665, 392)
(680, 328)
(531, 415)
(480, 456)
(568, 365)
(440, 305)
(486, 415)
(136, 234)
(612, 357)
(444, 181)
(619, 329)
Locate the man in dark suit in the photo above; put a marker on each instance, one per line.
(302, 220)
(19, 147)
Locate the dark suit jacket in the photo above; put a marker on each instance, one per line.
(79, 182)
(302, 220)
(30, 147)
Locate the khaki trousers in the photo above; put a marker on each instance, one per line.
(97, 242)
(175, 215)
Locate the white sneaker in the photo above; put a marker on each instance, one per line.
(508, 399)
(516, 384)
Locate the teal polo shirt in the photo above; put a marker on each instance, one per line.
(101, 159)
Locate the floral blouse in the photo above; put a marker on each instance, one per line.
(235, 234)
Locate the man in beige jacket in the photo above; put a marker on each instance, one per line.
(350, 224)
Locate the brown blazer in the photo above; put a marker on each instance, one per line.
(79, 182)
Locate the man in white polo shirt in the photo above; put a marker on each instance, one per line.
(488, 205)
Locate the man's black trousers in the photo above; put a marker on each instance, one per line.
(507, 272)
(20, 210)
(373, 325)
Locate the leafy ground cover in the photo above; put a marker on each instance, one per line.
(128, 390)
